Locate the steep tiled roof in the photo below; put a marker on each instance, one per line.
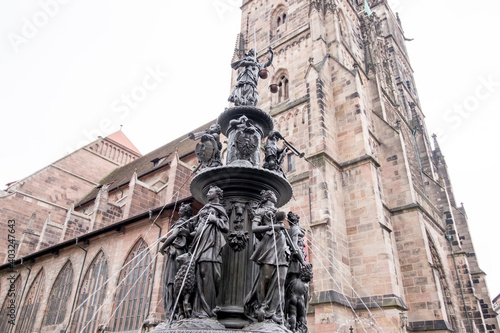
(121, 176)
(121, 138)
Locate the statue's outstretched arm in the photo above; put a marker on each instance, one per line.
(269, 58)
(241, 63)
(236, 64)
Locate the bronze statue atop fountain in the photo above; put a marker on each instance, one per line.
(245, 92)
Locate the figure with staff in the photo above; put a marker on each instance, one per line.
(206, 249)
(266, 298)
(175, 245)
(275, 156)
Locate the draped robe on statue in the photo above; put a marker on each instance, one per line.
(273, 258)
(206, 248)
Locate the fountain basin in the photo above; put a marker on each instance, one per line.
(241, 182)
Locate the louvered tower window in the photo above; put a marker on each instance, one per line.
(132, 297)
(59, 296)
(92, 293)
(28, 312)
(14, 293)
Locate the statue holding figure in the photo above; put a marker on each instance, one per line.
(245, 92)
(266, 298)
(298, 277)
(206, 248)
(178, 244)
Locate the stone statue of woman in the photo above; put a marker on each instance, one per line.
(178, 244)
(245, 92)
(206, 249)
(272, 255)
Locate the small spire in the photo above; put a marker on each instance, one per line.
(436, 153)
(368, 10)
(436, 144)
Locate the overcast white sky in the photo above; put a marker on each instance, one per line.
(65, 80)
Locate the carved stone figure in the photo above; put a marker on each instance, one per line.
(296, 299)
(272, 255)
(184, 285)
(208, 150)
(274, 156)
(238, 237)
(244, 141)
(298, 276)
(178, 244)
(245, 92)
(296, 239)
(206, 248)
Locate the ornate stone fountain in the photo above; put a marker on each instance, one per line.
(237, 267)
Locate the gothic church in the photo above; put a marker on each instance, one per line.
(391, 249)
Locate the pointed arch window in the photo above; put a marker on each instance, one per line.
(132, 297)
(13, 294)
(91, 296)
(442, 282)
(59, 296)
(27, 315)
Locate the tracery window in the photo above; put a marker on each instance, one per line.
(442, 282)
(132, 297)
(278, 21)
(14, 293)
(91, 296)
(27, 315)
(59, 296)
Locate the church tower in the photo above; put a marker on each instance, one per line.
(390, 247)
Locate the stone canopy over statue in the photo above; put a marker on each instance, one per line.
(236, 265)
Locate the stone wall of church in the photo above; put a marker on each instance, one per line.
(370, 191)
(115, 246)
(42, 200)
